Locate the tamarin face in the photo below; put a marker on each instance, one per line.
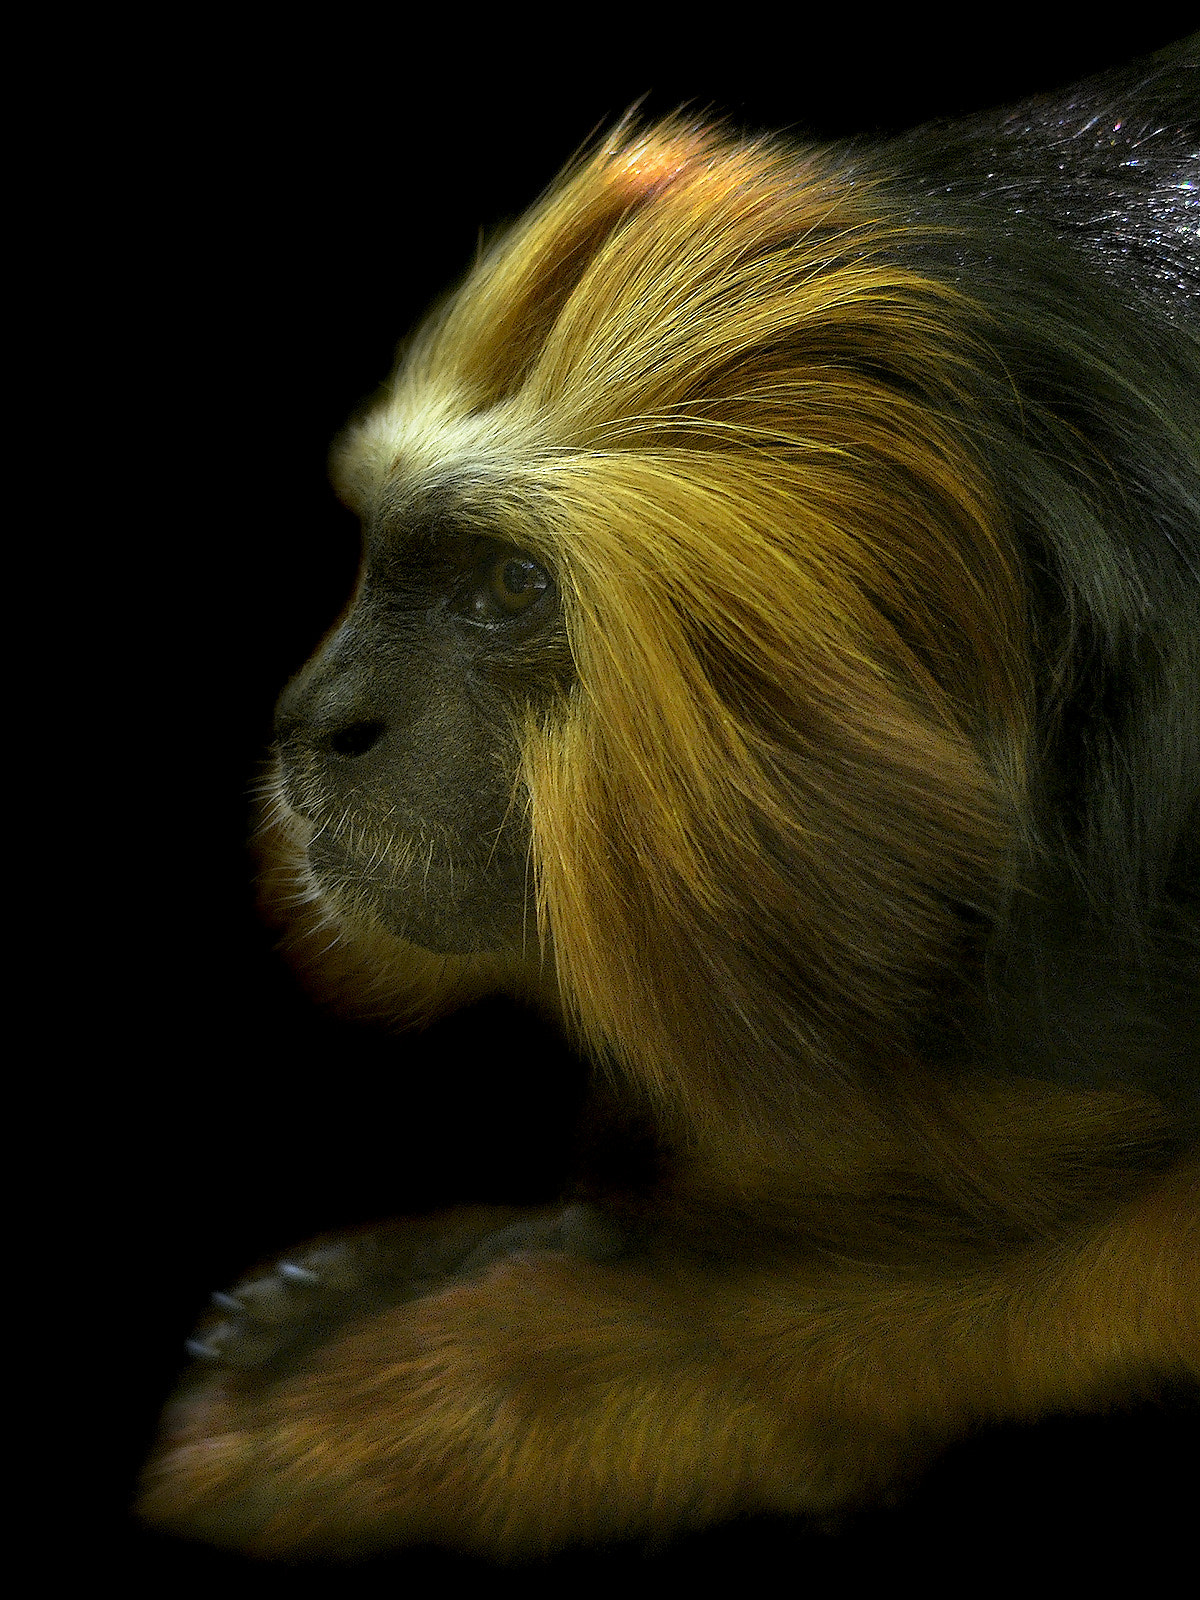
(399, 741)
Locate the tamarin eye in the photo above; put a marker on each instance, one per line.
(508, 583)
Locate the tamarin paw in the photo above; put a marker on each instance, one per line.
(269, 1321)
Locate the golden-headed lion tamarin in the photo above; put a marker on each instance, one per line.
(777, 650)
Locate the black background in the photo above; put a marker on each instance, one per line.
(256, 215)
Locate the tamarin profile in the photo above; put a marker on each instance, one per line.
(776, 651)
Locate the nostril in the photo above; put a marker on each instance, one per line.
(355, 738)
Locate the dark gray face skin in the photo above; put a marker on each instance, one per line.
(398, 741)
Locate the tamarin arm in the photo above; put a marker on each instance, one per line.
(556, 1395)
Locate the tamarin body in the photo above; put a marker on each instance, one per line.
(776, 651)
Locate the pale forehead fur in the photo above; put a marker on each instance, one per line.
(601, 319)
(414, 445)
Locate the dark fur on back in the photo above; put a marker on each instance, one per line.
(1095, 972)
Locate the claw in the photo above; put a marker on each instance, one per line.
(203, 1350)
(295, 1273)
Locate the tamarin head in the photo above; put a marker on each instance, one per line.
(686, 676)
